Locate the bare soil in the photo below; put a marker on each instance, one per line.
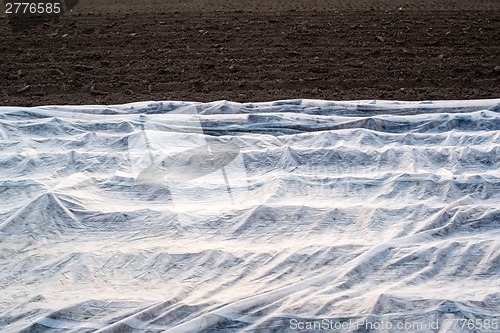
(110, 52)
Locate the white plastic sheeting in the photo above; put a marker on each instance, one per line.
(227, 217)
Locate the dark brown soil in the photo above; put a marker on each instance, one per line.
(109, 52)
